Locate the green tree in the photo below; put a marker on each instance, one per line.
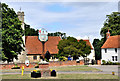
(30, 31)
(12, 33)
(71, 46)
(97, 48)
(63, 35)
(112, 23)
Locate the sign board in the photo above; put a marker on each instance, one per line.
(43, 35)
(27, 63)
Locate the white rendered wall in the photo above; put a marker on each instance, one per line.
(110, 52)
(91, 55)
(119, 55)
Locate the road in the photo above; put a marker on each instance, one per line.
(108, 69)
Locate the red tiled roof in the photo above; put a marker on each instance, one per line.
(87, 42)
(34, 46)
(112, 42)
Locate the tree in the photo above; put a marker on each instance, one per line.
(30, 31)
(97, 48)
(112, 23)
(71, 46)
(63, 35)
(12, 33)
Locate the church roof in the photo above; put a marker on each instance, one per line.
(112, 42)
(34, 46)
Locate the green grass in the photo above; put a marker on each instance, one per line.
(59, 68)
(63, 76)
(11, 70)
(74, 68)
(87, 76)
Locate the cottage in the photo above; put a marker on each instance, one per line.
(111, 49)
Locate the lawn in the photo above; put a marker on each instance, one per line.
(74, 68)
(59, 68)
(64, 76)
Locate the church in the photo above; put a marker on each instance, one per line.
(33, 46)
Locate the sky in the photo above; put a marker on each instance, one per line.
(81, 20)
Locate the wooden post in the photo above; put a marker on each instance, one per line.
(43, 50)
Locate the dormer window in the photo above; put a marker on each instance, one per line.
(115, 50)
(105, 50)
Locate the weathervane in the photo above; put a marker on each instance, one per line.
(20, 8)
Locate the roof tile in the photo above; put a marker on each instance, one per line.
(112, 42)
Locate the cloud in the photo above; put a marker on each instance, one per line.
(77, 19)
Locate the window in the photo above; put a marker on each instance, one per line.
(105, 50)
(112, 58)
(115, 58)
(35, 57)
(115, 50)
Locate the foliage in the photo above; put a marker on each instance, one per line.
(112, 23)
(97, 47)
(12, 33)
(104, 62)
(30, 31)
(109, 63)
(71, 46)
(62, 58)
(63, 35)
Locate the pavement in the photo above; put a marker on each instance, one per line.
(106, 69)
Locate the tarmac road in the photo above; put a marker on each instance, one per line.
(108, 69)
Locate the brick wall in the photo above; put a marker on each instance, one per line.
(64, 63)
(32, 65)
(99, 62)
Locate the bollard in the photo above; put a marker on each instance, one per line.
(113, 73)
(22, 70)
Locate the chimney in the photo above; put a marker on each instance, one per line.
(107, 34)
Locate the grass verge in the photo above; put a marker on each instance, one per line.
(74, 68)
(63, 76)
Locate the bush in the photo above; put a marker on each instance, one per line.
(103, 62)
(62, 58)
(109, 63)
(37, 66)
(15, 67)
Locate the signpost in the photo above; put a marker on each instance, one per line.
(43, 37)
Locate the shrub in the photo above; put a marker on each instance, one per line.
(103, 62)
(62, 58)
